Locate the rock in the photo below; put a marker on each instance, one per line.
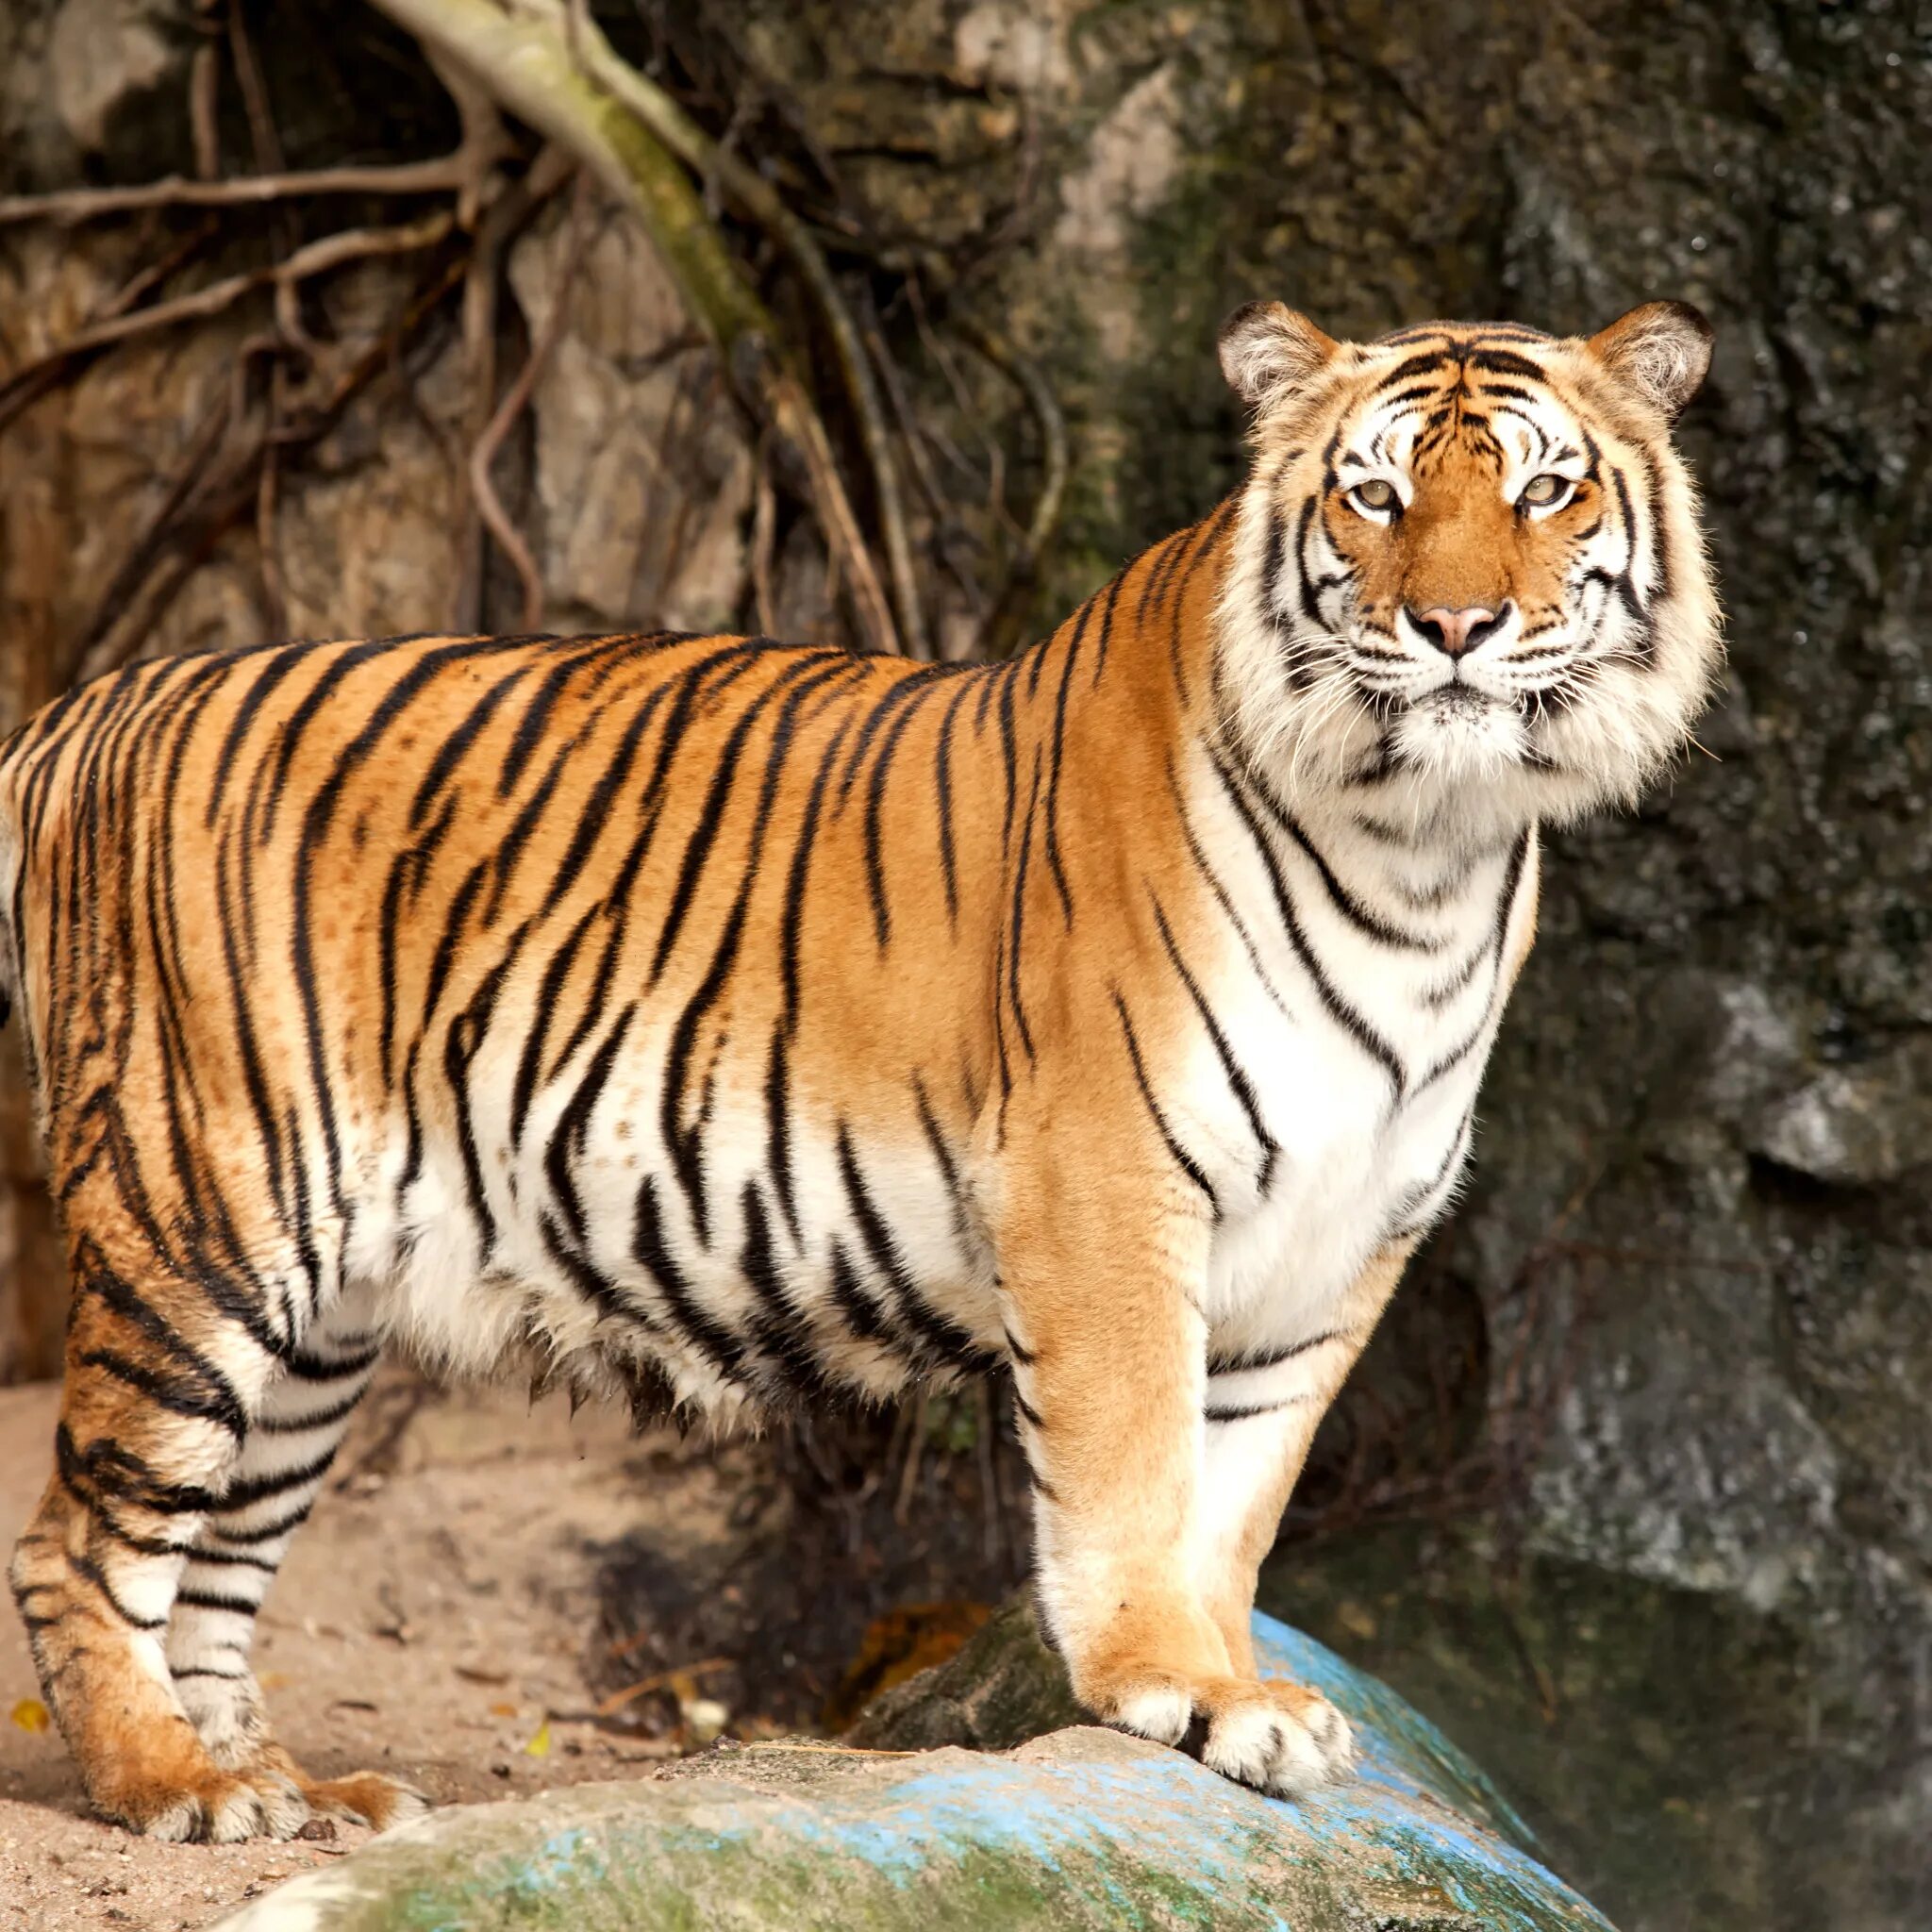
(643, 472)
(1078, 1828)
(1003, 1687)
(105, 57)
(1857, 1126)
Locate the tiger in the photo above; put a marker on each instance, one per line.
(722, 1027)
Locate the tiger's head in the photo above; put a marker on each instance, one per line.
(1469, 569)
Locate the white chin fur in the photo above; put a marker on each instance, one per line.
(1460, 735)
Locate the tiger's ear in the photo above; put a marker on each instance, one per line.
(1269, 351)
(1661, 350)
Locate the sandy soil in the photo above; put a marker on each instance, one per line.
(436, 1612)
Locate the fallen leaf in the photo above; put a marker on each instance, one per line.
(30, 1714)
(539, 1746)
(502, 1710)
(470, 1675)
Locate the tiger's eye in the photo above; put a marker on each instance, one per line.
(1374, 494)
(1541, 491)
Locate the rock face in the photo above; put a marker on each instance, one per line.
(1080, 1829)
(1696, 1263)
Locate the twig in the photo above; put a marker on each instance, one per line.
(541, 345)
(225, 499)
(984, 1441)
(503, 221)
(331, 252)
(24, 389)
(485, 140)
(268, 539)
(909, 1476)
(658, 1680)
(69, 206)
(118, 611)
(262, 120)
(764, 518)
(204, 85)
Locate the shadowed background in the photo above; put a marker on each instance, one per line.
(1634, 1494)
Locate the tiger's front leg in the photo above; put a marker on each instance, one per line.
(1262, 1412)
(1101, 1281)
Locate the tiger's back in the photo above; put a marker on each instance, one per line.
(417, 920)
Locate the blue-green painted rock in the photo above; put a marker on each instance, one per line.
(1080, 1828)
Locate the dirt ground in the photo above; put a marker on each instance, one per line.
(437, 1617)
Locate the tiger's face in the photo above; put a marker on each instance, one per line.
(1470, 557)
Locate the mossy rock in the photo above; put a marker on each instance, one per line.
(1078, 1828)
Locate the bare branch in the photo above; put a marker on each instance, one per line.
(331, 252)
(69, 206)
(167, 556)
(24, 389)
(204, 89)
(261, 120)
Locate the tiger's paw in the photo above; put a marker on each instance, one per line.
(367, 1797)
(1275, 1736)
(217, 1810)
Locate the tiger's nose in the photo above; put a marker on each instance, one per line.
(1456, 631)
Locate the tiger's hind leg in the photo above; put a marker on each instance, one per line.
(285, 1460)
(152, 1426)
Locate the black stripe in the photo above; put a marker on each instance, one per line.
(652, 1252)
(782, 1336)
(1220, 891)
(548, 991)
(710, 818)
(951, 1343)
(171, 1392)
(1363, 918)
(943, 780)
(573, 1123)
(1271, 1357)
(1114, 597)
(315, 1367)
(232, 1558)
(1214, 1414)
(1019, 916)
(258, 1488)
(1232, 1070)
(1179, 1154)
(322, 1419)
(948, 1167)
(213, 1600)
(450, 753)
(1340, 1010)
(792, 923)
(84, 1566)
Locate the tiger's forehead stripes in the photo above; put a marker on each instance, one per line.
(1449, 395)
